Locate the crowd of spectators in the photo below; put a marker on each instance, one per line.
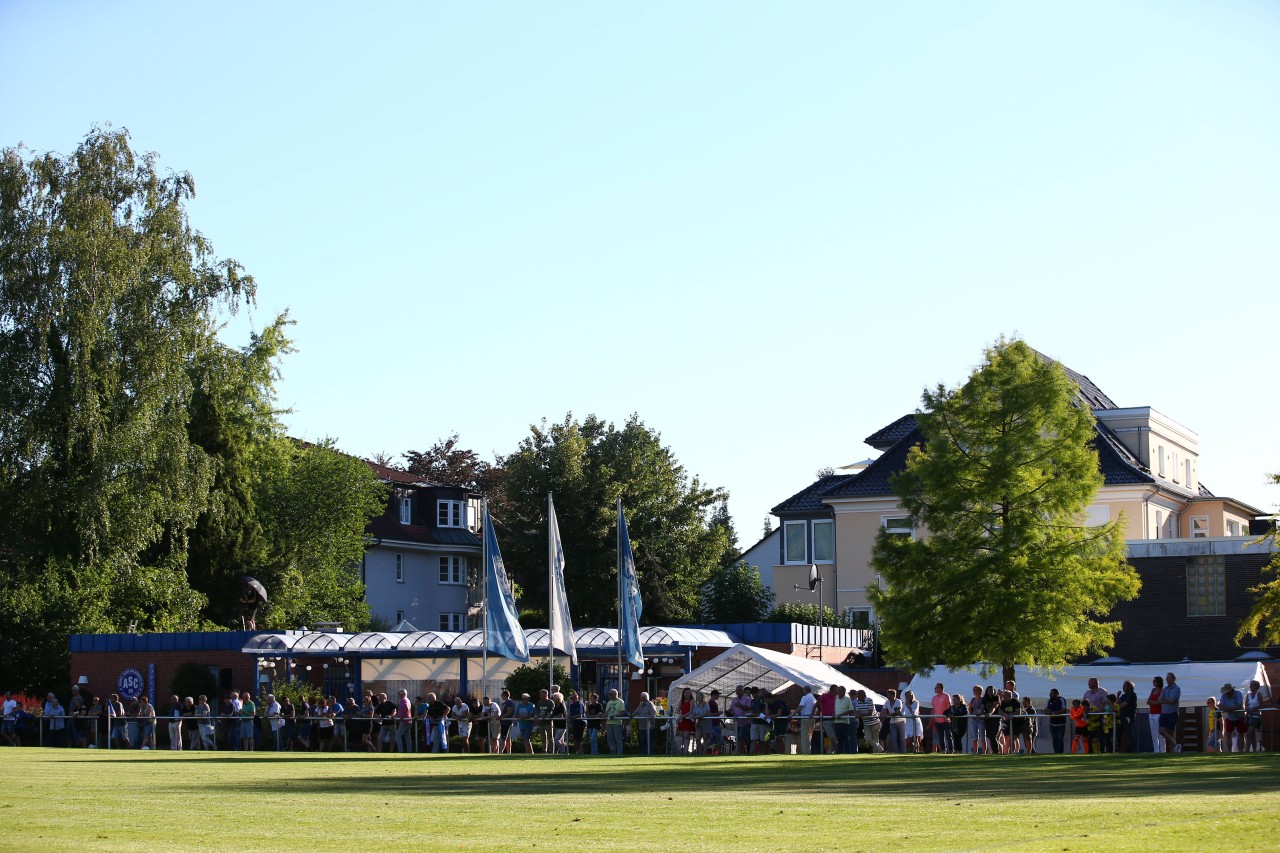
(751, 721)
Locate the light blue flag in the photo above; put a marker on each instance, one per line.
(630, 606)
(504, 636)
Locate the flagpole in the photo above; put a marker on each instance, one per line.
(484, 607)
(551, 598)
(627, 697)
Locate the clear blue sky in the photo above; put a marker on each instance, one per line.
(763, 227)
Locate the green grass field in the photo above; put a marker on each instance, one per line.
(76, 799)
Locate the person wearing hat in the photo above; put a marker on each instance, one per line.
(1234, 727)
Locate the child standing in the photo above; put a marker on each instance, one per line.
(1213, 720)
(1080, 717)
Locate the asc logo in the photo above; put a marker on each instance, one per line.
(130, 684)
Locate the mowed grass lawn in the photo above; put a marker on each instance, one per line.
(98, 800)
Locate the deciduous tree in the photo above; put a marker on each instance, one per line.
(735, 593)
(1006, 569)
(588, 465)
(1263, 621)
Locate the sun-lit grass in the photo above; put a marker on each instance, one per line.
(76, 799)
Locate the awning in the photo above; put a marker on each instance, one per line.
(774, 671)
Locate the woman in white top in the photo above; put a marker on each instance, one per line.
(895, 721)
(914, 728)
(462, 714)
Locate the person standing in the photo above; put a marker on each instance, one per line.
(10, 719)
(941, 702)
(1055, 709)
(403, 715)
(1127, 707)
(896, 721)
(276, 719)
(807, 702)
(1153, 713)
(615, 711)
(462, 714)
(55, 715)
(1254, 701)
(1170, 697)
(1234, 724)
(841, 719)
(576, 711)
(248, 721)
(119, 727)
(595, 722)
(147, 714)
(174, 713)
(645, 713)
(958, 714)
(203, 723)
(438, 721)
(507, 711)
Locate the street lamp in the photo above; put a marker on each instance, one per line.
(815, 584)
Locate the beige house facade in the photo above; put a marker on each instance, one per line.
(1151, 474)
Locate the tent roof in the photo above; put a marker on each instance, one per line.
(774, 671)
(1198, 680)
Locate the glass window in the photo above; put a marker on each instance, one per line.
(859, 617)
(794, 542)
(452, 621)
(1206, 586)
(450, 514)
(399, 616)
(406, 510)
(824, 542)
(453, 569)
(399, 568)
(1199, 526)
(899, 525)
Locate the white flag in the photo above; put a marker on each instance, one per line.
(558, 609)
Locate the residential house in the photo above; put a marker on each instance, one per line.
(423, 563)
(1151, 473)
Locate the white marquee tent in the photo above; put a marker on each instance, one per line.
(774, 671)
(1197, 680)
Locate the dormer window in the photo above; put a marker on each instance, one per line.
(451, 514)
(406, 510)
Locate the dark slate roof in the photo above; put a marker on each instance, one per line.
(1093, 396)
(1118, 465)
(1205, 493)
(888, 436)
(874, 479)
(810, 498)
(387, 527)
(395, 475)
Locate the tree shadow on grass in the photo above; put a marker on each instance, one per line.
(955, 777)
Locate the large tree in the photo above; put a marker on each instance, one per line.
(1005, 569)
(735, 593)
(448, 463)
(133, 487)
(107, 295)
(588, 465)
(1263, 621)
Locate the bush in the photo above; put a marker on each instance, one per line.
(531, 679)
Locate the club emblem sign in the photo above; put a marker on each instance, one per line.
(130, 684)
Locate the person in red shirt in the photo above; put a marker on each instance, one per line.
(941, 721)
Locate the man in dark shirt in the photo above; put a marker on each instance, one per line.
(386, 713)
(1017, 726)
(438, 720)
(1127, 706)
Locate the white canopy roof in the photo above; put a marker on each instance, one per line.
(1197, 680)
(774, 671)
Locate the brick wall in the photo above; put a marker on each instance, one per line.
(1156, 626)
(104, 668)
